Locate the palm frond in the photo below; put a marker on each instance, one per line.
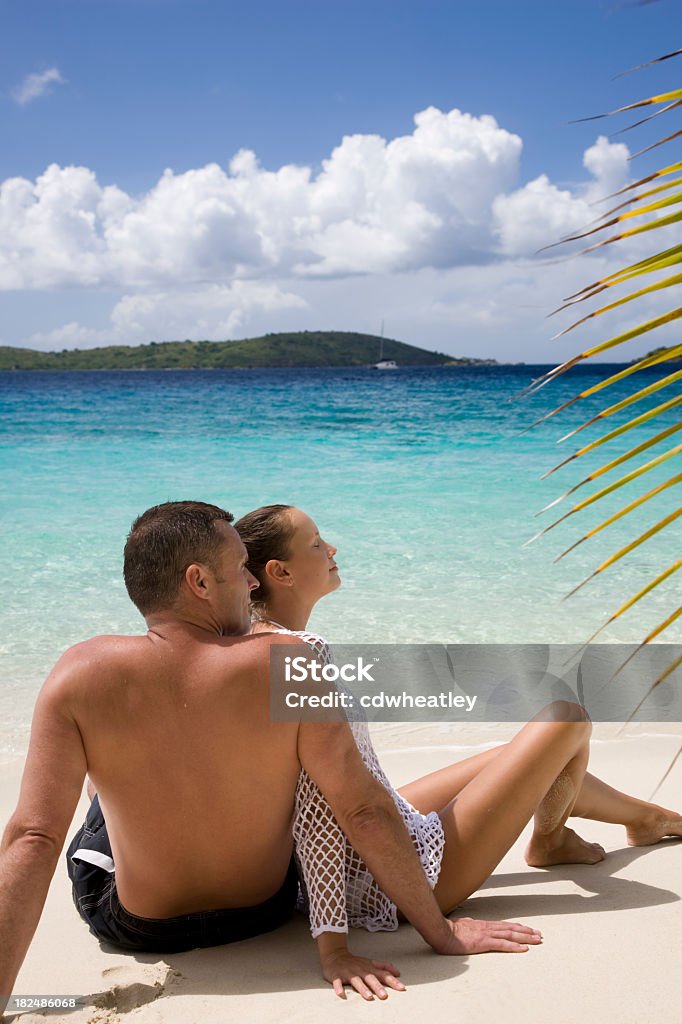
(665, 283)
(664, 97)
(632, 601)
(657, 206)
(655, 145)
(637, 421)
(664, 171)
(672, 482)
(648, 64)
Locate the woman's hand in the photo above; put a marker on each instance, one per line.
(469, 936)
(368, 977)
(341, 967)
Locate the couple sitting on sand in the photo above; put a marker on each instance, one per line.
(199, 788)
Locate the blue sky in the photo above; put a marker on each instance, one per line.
(401, 233)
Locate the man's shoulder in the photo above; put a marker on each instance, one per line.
(93, 655)
(254, 648)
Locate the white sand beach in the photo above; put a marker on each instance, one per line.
(611, 948)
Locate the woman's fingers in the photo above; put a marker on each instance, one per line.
(387, 974)
(384, 965)
(369, 978)
(362, 985)
(338, 988)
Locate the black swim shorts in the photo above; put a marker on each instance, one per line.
(91, 870)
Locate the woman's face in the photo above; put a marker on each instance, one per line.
(311, 559)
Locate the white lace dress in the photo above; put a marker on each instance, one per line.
(338, 890)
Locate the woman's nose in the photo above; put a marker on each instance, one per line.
(331, 549)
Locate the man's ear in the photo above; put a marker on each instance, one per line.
(197, 579)
(278, 573)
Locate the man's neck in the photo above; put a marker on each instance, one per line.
(170, 623)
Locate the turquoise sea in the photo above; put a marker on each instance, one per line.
(423, 478)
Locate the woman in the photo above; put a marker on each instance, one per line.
(540, 773)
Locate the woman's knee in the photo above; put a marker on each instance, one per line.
(565, 711)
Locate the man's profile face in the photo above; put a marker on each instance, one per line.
(234, 583)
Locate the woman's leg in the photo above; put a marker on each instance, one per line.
(433, 791)
(646, 823)
(539, 773)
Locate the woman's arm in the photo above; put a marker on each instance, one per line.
(320, 847)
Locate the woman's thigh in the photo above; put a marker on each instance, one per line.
(432, 792)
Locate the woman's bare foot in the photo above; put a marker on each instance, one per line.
(566, 847)
(654, 826)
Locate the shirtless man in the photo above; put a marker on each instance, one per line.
(195, 781)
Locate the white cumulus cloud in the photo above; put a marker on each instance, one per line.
(541, 213)
(36, 85)
(219, 252)
(418, 200)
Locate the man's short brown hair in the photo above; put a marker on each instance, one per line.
(162, 543)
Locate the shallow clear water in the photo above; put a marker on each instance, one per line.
(421, 477)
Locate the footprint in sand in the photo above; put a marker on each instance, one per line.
(131, 986)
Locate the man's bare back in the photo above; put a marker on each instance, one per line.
(180, 747)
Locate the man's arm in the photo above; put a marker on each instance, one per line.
(32, 842)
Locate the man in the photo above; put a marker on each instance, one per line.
(196, 783)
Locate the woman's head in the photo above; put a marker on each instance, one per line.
(287, 555)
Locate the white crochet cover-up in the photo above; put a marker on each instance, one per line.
(338, 890)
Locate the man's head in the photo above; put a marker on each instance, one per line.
(188, 551)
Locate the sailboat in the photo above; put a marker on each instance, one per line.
(384, 364)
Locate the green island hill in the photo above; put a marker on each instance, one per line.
(299, 349)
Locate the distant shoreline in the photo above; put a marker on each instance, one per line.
(212, 369)
(296, 350)
(586, 367)
(299, 350)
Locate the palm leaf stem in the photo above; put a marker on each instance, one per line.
(637, 397)
(628, 478)
(660, 628)
(601, 222)
(655, 145)
(671, 668)
(649, 63)
(677, 755)
(643, 120)
(650, 325)
(636, 422)
(664, 171)
(643, 393)
(647, 535)
(670, 261)
(672, 482)
(663, 97)
(667, 282)
(652, 225)
(661, 578)
(644, 446)
(645, 266)
(642, 195)
(621, 482)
